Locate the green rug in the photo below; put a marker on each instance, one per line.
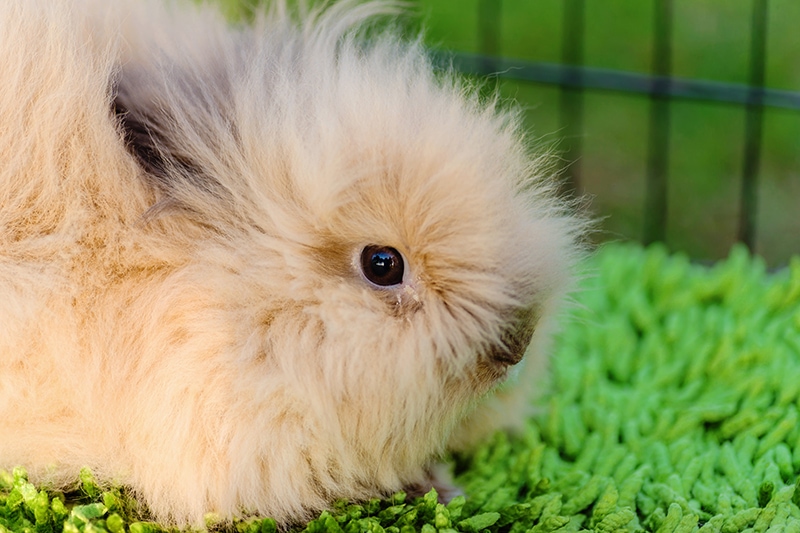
(674, 408)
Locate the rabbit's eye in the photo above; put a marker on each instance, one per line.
(382, 265)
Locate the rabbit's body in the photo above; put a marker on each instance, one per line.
(185, 209)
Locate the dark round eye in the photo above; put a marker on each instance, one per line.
(382, 265)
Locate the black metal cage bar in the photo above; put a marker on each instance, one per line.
(571, 105)
(753, 125)
(489, 32)
(656, 194)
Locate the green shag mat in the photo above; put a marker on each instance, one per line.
(674, 408)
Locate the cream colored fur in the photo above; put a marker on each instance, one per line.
(195, 325)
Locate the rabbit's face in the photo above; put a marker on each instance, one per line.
(422, 255)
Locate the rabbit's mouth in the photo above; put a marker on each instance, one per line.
(515, 339)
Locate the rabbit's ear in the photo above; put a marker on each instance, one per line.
(141, 138)
(172, 134)
(147, 137)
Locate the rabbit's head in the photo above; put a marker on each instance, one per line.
(398, 242)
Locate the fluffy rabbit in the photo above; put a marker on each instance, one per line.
(253, 270)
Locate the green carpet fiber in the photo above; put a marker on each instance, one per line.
(674, 408)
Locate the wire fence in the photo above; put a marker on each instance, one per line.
(574, 79)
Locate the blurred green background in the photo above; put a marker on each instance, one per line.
(710, 41)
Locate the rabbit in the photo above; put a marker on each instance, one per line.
(250, 270)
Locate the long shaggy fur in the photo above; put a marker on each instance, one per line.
(182, 208)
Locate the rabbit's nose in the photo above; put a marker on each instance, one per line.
(516, 337)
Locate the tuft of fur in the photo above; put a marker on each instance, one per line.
(182, 208)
